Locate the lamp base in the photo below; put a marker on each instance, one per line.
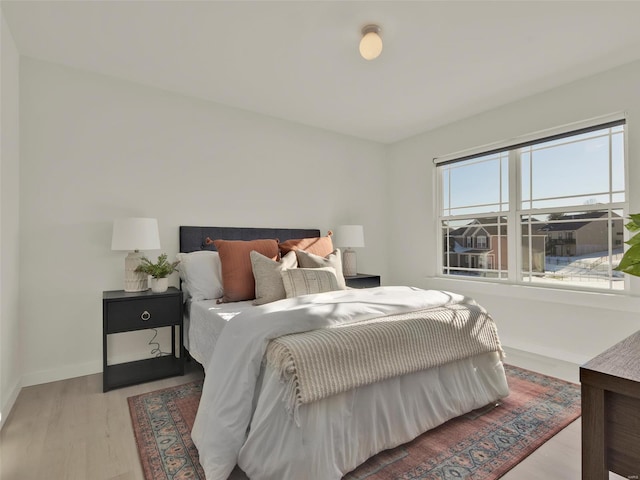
(349, 267)
(134, 281)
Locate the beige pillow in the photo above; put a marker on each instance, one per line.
(266, 272)
(333, 260)
(303, 281)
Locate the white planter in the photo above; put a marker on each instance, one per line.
(159, 285)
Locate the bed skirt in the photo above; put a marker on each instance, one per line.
(340, 432)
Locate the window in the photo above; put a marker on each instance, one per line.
(548, 211)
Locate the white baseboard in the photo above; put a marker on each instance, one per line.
(544, 351)
(551, 366)
(5, 409)
(72, 371)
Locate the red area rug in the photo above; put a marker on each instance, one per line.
(482, 445)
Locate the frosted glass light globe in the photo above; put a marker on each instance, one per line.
(370, 45)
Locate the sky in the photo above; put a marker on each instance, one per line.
(560, 168)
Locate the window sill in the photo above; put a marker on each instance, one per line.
(615, 300)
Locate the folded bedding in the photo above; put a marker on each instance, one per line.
(324, 362)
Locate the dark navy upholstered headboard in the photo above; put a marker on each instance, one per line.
(194, 238)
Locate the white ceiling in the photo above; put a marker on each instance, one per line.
(299, 61)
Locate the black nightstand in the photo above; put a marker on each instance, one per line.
(363, 280)
(130, 311)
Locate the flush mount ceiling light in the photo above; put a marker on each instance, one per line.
(371, 43)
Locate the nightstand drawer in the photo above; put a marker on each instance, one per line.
(138, 314)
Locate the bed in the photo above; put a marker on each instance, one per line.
(251, 413)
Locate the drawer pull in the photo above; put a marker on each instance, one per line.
(145, 316)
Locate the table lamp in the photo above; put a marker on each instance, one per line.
(349, 236)
(134, 235)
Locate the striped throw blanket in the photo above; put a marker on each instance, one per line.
(327, 361)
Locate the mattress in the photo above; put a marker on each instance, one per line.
(203, 322)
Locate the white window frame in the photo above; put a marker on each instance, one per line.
(515, 212)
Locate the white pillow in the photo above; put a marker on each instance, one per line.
(201, 272)
(303, 281)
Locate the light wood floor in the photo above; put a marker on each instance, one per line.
(70, 430)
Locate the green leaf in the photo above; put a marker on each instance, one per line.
(631, 257)
(635, 218)
(632, 227)
(633, 240)
(631, 270)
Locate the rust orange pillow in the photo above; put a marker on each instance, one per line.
(235, 257)
(322, 246)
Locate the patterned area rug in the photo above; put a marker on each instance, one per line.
(482, 445)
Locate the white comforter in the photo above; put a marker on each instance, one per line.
(227, 401)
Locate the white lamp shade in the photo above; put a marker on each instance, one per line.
(135, 234)
(350, 236)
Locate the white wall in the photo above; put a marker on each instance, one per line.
(10, 365)
(565, 325)
(94, 148)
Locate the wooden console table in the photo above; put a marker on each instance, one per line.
(611, 412)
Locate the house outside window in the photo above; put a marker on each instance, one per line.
(548, 211)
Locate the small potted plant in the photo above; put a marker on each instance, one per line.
(159, 271)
